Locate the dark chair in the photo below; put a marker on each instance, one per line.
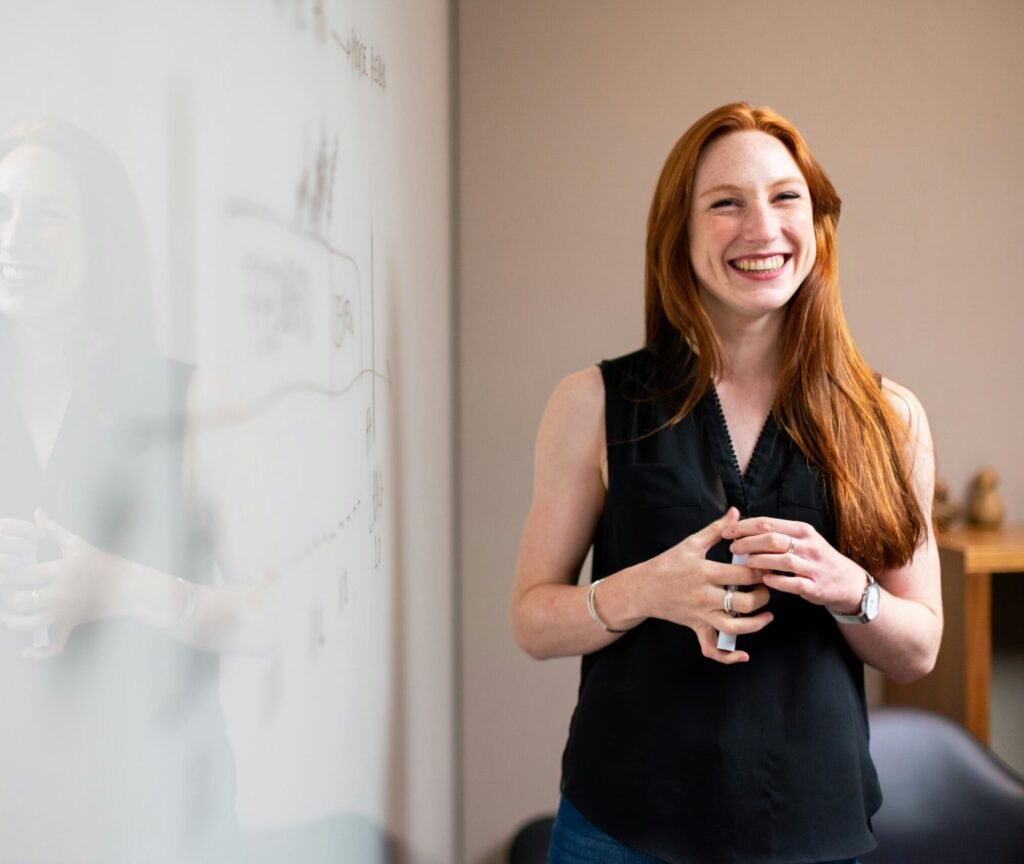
(948, 799)
(530, 845)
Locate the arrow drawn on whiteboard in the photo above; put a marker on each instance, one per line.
(240, 412)
(152, 429)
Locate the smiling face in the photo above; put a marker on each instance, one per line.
(42, 237)
(750, 228)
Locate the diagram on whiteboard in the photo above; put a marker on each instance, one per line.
(293, 429)
(227, 172)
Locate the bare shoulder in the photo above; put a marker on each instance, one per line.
(909, 409)
(573, 424)
(580, 393)
(576, 407)
(920, 445)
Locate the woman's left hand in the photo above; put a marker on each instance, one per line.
(55, 597)
(820, 573)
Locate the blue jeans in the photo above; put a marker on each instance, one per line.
(574, 840)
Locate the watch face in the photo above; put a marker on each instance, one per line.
(871, 602)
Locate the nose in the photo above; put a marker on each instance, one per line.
(13, 229)
(761, 224)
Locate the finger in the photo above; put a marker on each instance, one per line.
(798, 585)
(789, 562)
(743, 625)
(60, 535)
(15, 544)
(31, 576)
(21, 528)
(766, 525)
(24, 602)
(709, 648)
(710, 534)
(719, 574)
(713, 595)
(27, 623)
(773, 541)
(746, 602)
(13, 562)
(57, 637)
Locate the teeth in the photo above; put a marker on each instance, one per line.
(19, 274)
(772, 263)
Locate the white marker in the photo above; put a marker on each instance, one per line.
(727, 641)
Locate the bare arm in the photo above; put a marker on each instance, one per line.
(905, 643)
(903, 640)
(87, 583)
(549, 610)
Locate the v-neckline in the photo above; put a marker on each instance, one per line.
(44, 440)
(745, 480)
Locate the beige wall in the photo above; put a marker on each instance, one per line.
(424, 773)
(567, 112)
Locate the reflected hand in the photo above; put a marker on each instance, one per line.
(58, 596)
(688, 589)
(820, 573)
(19, 542)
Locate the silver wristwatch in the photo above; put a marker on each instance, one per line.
(868, 605)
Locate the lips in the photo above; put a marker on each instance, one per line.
(19, 273)
(760, 263)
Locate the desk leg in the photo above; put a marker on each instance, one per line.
(978, 653)
(959, 687)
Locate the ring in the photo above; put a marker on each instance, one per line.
(792, 545)
(727, 602)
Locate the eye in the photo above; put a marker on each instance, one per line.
(724, 202)
(789, 196)
(52, 214)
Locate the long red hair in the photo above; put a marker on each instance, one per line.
(828, 400)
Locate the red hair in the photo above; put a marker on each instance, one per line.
(828, 400)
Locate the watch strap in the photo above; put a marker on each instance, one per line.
(861, 615)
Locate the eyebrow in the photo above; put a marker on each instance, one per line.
(51, 201)
(46, 202)
(731, 187)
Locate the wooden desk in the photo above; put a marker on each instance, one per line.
(960, 684)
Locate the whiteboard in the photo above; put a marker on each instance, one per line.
(264, 143)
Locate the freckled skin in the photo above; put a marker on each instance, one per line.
(750, 199)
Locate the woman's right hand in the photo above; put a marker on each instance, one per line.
(682, 586)
(19, 541)
(549, 608)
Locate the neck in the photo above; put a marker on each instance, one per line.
(40, 357)
(752, 349)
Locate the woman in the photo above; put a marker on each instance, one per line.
(745, 474)
(116, 748)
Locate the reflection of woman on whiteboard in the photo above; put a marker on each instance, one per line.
(115, 734)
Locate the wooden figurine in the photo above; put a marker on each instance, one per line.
(946, 512)
(985, 509)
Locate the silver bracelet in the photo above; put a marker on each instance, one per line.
(593, 611)
(189, 606)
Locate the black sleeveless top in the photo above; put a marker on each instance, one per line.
(677, 755)
(117, 747)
